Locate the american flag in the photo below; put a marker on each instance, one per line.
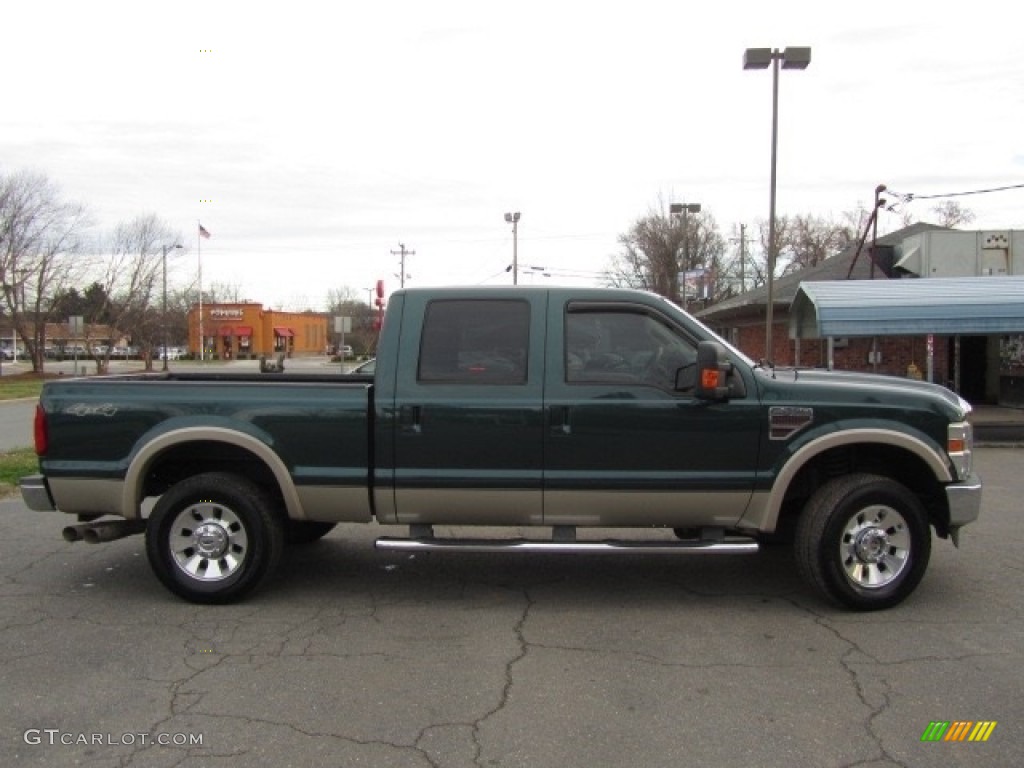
(203, 232)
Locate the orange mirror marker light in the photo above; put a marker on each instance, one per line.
(709, 378)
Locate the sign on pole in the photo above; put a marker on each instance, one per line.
(76, 331)
(342, 325)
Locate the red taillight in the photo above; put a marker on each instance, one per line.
(40, 432)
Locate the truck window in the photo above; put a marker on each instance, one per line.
(605, 347)
(475, 342)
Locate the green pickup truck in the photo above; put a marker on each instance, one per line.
(554, 409)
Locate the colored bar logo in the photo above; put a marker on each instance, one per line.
(959, 730)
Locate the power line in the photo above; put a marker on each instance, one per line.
(911, 196)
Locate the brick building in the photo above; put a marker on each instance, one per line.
(980, 365)
(246, 330)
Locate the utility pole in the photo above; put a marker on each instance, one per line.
(743, 257)
(403, 253)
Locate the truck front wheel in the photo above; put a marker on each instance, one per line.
(864, 541)
(213, 537)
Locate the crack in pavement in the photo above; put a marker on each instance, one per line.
(506, 691)
(860, 688)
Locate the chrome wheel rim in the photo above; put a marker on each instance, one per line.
(208, 541)
(875, 547)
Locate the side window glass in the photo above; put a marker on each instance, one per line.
(604, 347)
(475, 342)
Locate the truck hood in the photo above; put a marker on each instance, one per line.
(865, 388)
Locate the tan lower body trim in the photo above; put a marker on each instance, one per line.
(498, 506)
(331, 504)
(644, 508)
(90, 496)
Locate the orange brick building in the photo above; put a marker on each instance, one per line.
(245, 331)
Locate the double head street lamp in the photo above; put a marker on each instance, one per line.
(762, 58)
(166, 248)
(681, 209)
(513, 219)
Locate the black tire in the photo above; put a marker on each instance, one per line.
(227, 516)
(305, 531)
(863, 541)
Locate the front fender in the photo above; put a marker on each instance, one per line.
(765, 509)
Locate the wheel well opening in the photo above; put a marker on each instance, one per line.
(188, 459)
(875, 458)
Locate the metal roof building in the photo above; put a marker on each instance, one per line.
(941, 306)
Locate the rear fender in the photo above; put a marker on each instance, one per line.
(153, 448)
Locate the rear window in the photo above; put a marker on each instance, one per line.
(475, 342)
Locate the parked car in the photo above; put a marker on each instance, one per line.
(6, 354)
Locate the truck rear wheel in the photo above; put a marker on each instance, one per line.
(863, 540)
(213, 538)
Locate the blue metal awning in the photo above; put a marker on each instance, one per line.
(946, 306)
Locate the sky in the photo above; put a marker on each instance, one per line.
(314, 139)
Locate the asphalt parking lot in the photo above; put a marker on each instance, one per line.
(352, 657)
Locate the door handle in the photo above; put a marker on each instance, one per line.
(560, 424)
(410, 419)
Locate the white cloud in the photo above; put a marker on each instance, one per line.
(325, 134)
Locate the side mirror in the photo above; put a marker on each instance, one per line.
(686, 378)
(713, 369)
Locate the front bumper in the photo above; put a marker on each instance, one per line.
(36, 493)
(964, 501)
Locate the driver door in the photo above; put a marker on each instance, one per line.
(622, 446)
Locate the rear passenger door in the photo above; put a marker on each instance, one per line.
(469, 419)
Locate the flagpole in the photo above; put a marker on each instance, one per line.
(199, 252)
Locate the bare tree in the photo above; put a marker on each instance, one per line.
(40, 233)
(783, 251)
(345, 302)
(132, 283)
(801, 242)
(649, 257)
(855, 220)
(811, 239)
(224, 293)
(659, 247)
(951, 214)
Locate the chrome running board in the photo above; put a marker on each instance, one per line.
(727, 546)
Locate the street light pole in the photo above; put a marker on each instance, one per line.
(164, 318)
(762, 58)
(681, 209)
(513, 219)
